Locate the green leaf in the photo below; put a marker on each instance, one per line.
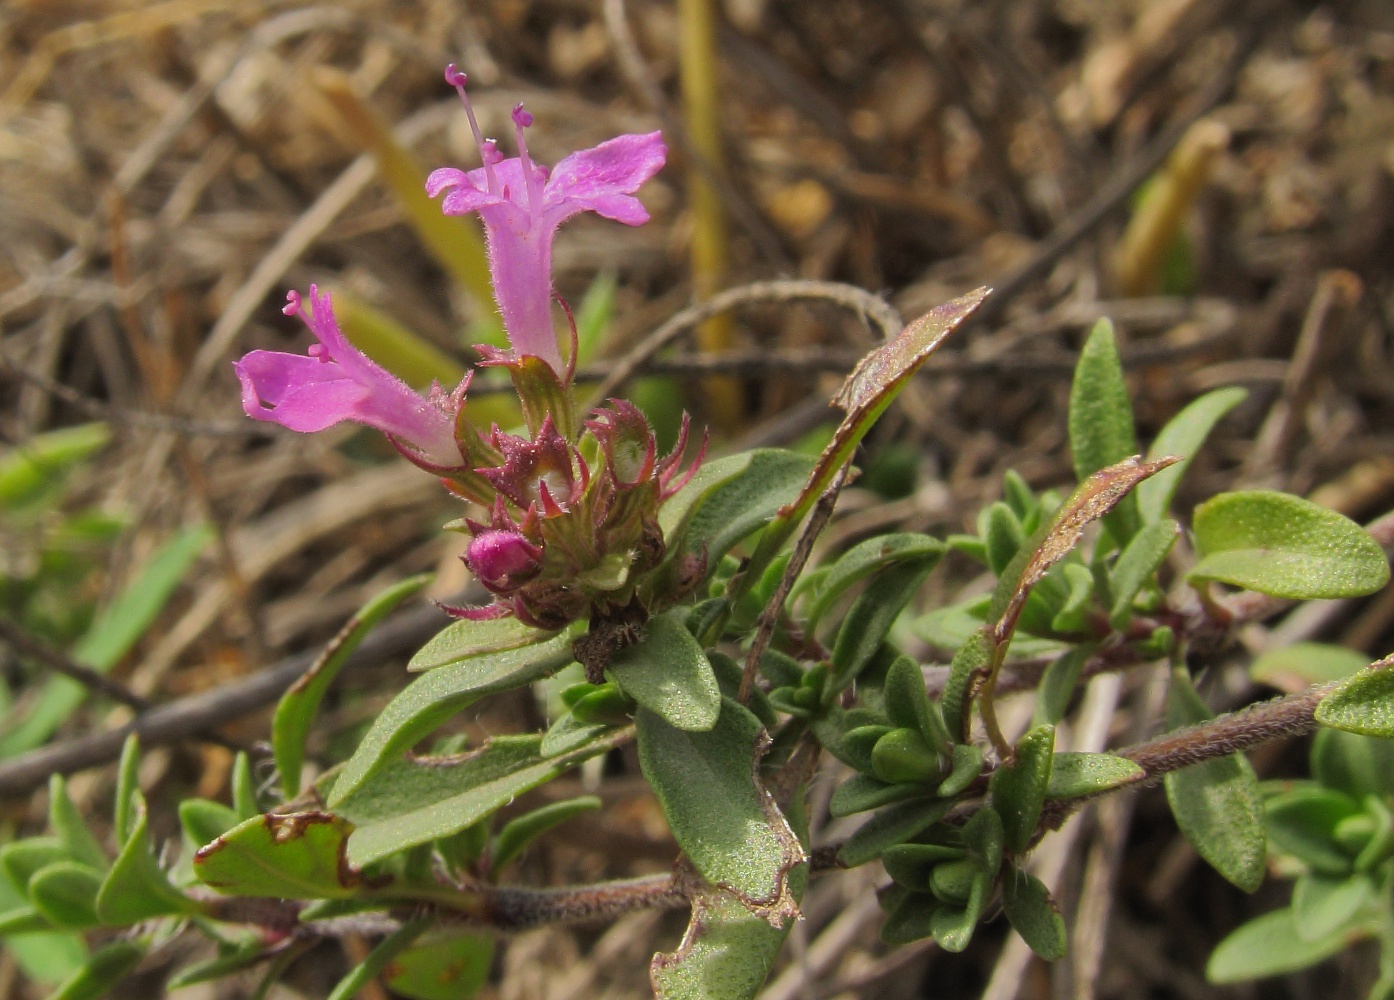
(65, 894)
(952, 926)
(862, 792)
(1302, 823)
(1019, 789)
(667, 673)
(1285, 546)
(1216, 803)
(117, 629)
(44, 957)
(1101, 420)
(231, 958)
(870, 618)
(518, 833)
(127, 789)
(446, 964)
(413, 802)
(1002, 535)
(137, 888)
(720, 815)
(289, 856)
(729, 499)
(568, 733)
(890, 827)
(1358, 765)
(903, 755)
(1137, 565)
(23, 923)
(1075, 774)
(1033, 914)
(297, 707)
(908, 704)
(204, 821)
(1293, 668)
(967, 765)
(1364, 704)
(864, 559)
(104, 970)
(1322, 905)
(70, 827)
(1058, 684)
(1269, 946)
(594, 316)
(29, 474)
(972, 658)
(463, 639)
(1074, 612)
(911, 865)
(379, 959)
(910, 918)
(1182, 436)
(244, 787)
(441, 693)
(1017, 493)
(726, 952)
(23, 859)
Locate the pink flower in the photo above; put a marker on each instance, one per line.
(336, 382)
(522, 203)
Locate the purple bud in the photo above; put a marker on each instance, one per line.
(501, 559)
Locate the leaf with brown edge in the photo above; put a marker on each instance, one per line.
(1094, 498)
(289, 856)
(868, 391)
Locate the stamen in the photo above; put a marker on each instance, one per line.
(521, 120)
(458, 79)
(293, 306)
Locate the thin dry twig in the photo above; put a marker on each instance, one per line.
(26, 644)
(872, 308)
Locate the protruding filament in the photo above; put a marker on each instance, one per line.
(457, 79)
(521, 120)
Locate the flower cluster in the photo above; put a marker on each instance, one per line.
(572, 508)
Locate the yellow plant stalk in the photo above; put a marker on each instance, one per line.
(697, 35)
(1155, 224)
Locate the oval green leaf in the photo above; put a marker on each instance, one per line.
(435, 696)
(667, 673)
(1364, 704)
(1284, 546)
(1217, 803)
(720, 815)
(289, 856)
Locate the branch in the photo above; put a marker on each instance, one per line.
(1291, 715)
(27, 644)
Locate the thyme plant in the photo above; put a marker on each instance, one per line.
(682, 586)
